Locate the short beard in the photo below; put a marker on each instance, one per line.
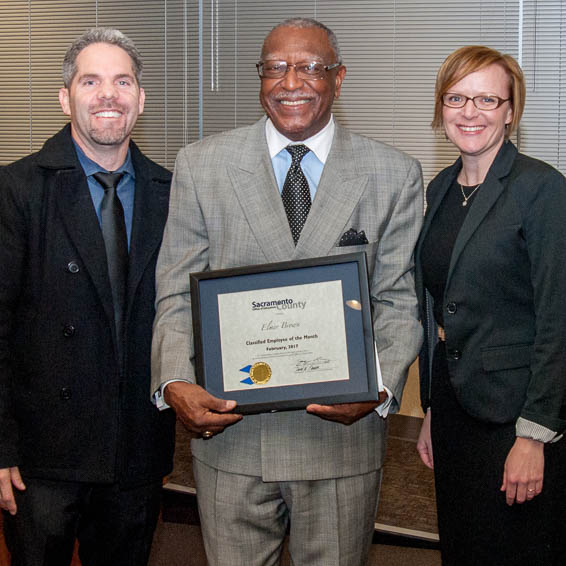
(109, 137)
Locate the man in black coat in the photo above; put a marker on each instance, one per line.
(82, 449)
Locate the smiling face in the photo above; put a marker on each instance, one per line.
(297, 107)
(104, 99)
(479, 133)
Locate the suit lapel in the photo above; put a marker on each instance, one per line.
(256, 189)
(484, 200)
(150, 214)
(487, 196)
(339, 190)
(79, 217)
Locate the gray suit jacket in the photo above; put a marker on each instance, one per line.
(226, 211)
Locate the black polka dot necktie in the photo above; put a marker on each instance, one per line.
(115, 241)
(296, 194)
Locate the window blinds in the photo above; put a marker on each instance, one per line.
(200, 75)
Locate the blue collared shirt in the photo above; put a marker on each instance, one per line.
(126, 187)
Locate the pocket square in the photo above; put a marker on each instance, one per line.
(353, 238)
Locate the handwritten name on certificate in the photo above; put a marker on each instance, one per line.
(283, 336)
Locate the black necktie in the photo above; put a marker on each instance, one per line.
(115, 242)
(296, 194)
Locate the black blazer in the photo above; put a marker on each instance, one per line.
(69, 409)
(505, 298)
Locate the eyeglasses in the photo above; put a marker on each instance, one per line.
(307, 70)
(481, 102)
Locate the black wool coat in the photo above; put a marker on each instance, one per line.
(69, 408)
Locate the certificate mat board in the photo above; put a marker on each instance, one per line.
(281, 336)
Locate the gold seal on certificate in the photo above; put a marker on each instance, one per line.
(260, 373)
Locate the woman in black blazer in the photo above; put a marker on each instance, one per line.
(491, 280)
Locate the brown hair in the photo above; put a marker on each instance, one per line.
(473, 58)
(110, 36)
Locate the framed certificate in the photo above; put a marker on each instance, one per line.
(280, 336)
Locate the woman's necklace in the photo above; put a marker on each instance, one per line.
(468, 197)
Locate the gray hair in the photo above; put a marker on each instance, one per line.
(305, 23)
(100, 35)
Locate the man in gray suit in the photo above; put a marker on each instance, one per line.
(315, 471)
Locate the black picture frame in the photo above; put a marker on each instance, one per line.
(350, 269)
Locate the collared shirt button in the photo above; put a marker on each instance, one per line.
(68, 330)
(451, 308)
(65, 393)
(455, 354)
(73, 267)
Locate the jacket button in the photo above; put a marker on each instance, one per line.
(73, 267)
(455, 354)
(451, 308)
(65, 393)
(68, 330)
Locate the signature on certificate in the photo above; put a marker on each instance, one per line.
(311, 365)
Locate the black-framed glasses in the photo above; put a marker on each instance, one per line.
(481, 102)
(306, 70)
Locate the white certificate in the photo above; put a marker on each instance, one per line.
(283, 336)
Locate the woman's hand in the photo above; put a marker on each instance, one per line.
(524, 471)
(10, 478)
(424, 443)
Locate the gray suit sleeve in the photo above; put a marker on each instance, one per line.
(398, 331)
(184, 250)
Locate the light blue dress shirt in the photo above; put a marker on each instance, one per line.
(312, 163)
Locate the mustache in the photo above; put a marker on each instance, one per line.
(106, 106)
(292, 98)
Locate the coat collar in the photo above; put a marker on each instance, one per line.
(151, 204)
(58, 151)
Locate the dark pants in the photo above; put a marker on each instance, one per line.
(476, 526)
(114, 526)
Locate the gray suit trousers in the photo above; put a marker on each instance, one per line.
(244, 519)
